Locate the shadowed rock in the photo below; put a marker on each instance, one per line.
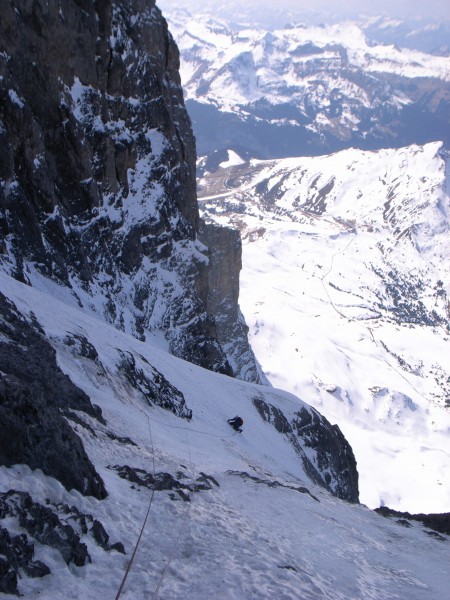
(34, 397)
(97, 169)
(333, 465)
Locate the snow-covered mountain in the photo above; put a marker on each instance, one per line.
(345, 287)
(123, 351)
(307, 89)
(220, 513)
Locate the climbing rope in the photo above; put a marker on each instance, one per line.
(172, 554)
(187, 512)
(124, 579)
(183, 524)
(190, 429)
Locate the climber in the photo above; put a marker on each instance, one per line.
(236, 423)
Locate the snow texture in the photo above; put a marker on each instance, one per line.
(345, 288)
(259, 529)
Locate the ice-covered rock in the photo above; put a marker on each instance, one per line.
(326, 455)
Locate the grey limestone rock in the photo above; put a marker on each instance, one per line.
(438, 522)
(331, 464)
(222, 300)
(152, 384)
(8, 574)
(44, 526)
(19, 552)
(335, 460)
(166, 481)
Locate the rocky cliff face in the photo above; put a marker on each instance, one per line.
(222, 300)
(97, 170)
(36, 397)
(326, 455)
(98, 208)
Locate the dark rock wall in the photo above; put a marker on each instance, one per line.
(326, 455)
(56, 525)
(35, 397)
(439, 522)
(97, 168)
(127, 64)
(335, 460)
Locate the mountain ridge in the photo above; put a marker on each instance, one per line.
(308, 89)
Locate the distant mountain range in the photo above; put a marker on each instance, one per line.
(431, 36)
(310, 89)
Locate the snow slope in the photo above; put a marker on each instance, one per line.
(345, 287)
(251, 535)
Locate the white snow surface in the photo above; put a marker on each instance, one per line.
(238, 541)
(323, 240)
(229, 66)
(233, 160)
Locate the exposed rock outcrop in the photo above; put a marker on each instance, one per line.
(97, 170)
(16, 554)
(153, 385)
(58, 526)
(166, 482)
(439, 522)
(35, 395)
(222, 300)
(326, 455)
(273, 483)
(44, 525)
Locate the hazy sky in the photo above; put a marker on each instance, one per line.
(425, 8)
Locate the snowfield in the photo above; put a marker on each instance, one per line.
(262, 530)
(108, 278)
(344, 286)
